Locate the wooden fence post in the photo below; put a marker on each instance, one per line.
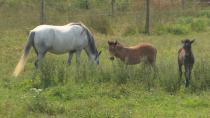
(183, 4)
(42, 11)
(113, 6)
(147, 22)
(86, 4)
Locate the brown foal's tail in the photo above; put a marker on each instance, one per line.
(19, 67)
(155, 55)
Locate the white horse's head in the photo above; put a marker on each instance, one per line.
(95, 57)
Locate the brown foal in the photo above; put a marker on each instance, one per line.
(133, 55)
(186, 58)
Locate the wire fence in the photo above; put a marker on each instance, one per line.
(119, 11)
(135, 8)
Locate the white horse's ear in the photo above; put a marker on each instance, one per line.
(192, 41)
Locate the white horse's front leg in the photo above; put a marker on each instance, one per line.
(78, 52)
(70, 58)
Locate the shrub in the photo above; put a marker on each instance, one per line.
(199, 25)
(51, 74)
(40, 104)
(82, 4)
(120, 74)
(204, 13)
(169, 79)
(101, 25)
(185, 20)
(201, 80)
(130, 30)
(178, 29)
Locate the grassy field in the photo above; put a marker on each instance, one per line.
(110, 89)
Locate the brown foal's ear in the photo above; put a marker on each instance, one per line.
(192, 41)
(116, 42)
(109, 42)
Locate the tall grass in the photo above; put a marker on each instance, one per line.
(164, 76)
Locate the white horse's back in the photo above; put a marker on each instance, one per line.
(60, 39)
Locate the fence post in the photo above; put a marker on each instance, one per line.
(183, 4)
(42, 11)
(86, 4)
(147, 22)
(113, 6)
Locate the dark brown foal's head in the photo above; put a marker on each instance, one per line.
(187, 44)
(113, 47)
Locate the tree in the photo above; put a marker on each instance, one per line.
(147, 22)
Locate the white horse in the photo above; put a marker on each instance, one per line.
(70, 38)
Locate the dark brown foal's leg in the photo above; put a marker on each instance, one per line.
(180, 75)
(180, 71)
(187, 75)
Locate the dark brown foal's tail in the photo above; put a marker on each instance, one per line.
(19, 67)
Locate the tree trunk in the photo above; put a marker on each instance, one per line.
(147, 22)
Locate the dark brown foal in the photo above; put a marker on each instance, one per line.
(186, 58)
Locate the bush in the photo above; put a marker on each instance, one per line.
(142, 73)
(51, 74)
(199, 25)
(40, 104)
(101, 25)
(169, 80)
(184, 25)
(201, 80)
(204, 13)
(177, 29)
(185, 20)
(82, 4)
(130, 30)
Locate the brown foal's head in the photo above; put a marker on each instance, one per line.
(187, 44)
(113, 47)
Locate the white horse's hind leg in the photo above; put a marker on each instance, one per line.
(78, 52)
(40, 56)
(70, 58)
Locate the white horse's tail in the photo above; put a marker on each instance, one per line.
(19, 67)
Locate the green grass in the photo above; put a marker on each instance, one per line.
(110, 89)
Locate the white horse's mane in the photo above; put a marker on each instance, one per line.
(90, 35)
